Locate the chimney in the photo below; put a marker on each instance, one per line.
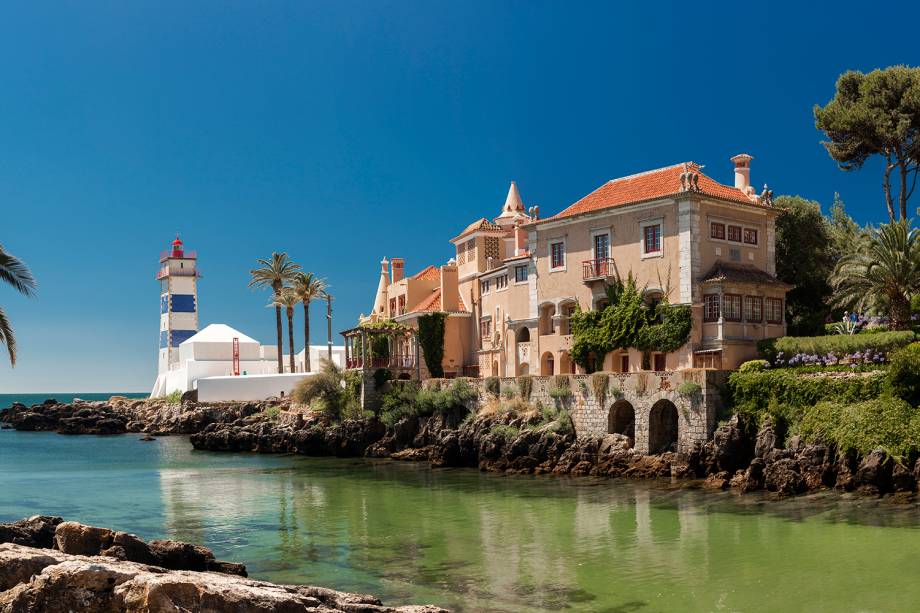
(743, 172)
(520, 240)
(450, 288)
(398, 267)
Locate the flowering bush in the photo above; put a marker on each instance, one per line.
(854, 360)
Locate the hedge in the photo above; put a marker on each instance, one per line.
(840, 344)
(883, 423)
(752, 392)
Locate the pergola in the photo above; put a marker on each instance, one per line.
(402, 348)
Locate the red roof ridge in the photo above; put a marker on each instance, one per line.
(425, 273)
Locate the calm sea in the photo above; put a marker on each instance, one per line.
(474, 542)
(7, 400)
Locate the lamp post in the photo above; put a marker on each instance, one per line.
(329, 324)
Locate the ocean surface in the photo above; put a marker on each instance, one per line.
(7, 400)
(477, 542)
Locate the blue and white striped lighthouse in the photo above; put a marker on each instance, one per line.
(178, 277)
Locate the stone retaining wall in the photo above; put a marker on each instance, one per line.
(651, 398)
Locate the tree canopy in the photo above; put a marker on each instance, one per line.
(876, 114)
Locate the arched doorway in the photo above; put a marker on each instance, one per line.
(547, 312)
(546, 364)
(495, 368)
(523, 335)
(621, 419)
(566, 365)
(662, 427)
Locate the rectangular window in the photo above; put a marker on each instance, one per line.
(711, 307)
(717, 230)
(774, 310)
(731, 307)
(750, 236)
(624, 362)
(520, 274)
(402, 304)
(601, 246)
(753, 309)
(485, 328)
(660, 362)
(484, 286)
(392, 306)
(734, 234)
(652, 239)
(501, 282)
(557, 255)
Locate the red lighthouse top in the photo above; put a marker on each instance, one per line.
(177, 247)
(177, 250)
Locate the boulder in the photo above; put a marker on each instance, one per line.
(873, 475)
(784, 477)
(36, 531)
(77, 539)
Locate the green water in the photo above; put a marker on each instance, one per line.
(477, 542)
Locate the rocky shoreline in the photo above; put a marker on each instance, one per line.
(47, 564)
(738, 456)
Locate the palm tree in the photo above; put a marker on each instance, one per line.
(287, 299)
(275, 273)
(884, 269)
(307, 288)
(16, 274)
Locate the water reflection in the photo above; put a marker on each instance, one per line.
(474, 542)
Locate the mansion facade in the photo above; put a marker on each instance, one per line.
(516, 279)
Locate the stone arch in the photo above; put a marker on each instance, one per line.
(662, 426)
(523, 335)
(567, 307)
(547, 312)
(621, 419)
(546, 364)
(566, 365)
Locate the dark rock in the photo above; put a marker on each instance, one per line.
(874, 472)
(784, 477)
(36, 531)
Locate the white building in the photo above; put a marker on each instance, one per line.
(220, 362)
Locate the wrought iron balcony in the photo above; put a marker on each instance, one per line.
(593, 270)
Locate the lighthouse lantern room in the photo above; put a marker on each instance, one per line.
(178, 277)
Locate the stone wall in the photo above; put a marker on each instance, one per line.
(651, 398)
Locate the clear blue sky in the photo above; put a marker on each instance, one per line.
(341, 132)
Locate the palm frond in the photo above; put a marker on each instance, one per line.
(273, 272)
(15, 273)
(7, 337)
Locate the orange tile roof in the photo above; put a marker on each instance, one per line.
(651, 185)
(480, 224)
(429, 273)
(432, 304)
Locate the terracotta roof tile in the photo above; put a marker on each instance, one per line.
(649, 186)
(480, 224)
(740, 273)
(429, 273)
(432, 304)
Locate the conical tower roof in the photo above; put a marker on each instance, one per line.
(513, 203)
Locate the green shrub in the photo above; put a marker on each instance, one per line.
(493, 385)
(904, 374)
(689, 388)
(560, 393)
(325, 392)
(408, 399)
(381, 376)
(886, 423)
(615, 391)
(271, 413)
(562, 381)
(754, 366)
(173, 397)
(752, 392)
(505, 431)
(525, 386)
(599, 383)
(839, 344)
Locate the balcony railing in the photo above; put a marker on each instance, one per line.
(597, 269)
(172, 253)
(403, 361)
(179, 272)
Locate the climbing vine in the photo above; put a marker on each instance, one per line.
(627, 322)
(431, 339)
